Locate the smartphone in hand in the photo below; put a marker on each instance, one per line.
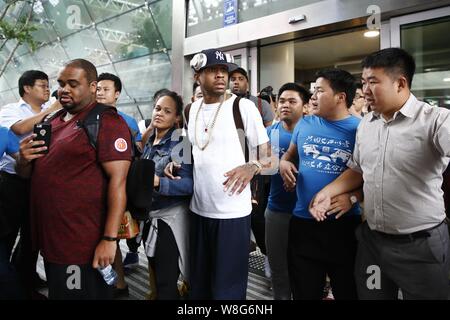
(43, 132)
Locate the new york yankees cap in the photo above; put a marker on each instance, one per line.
(212, 57)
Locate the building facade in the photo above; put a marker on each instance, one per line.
(130, 38)
(289, 40)
(148, 44)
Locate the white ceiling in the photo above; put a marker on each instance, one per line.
(342, 49)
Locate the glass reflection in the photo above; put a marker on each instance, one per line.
(162, 14)
(101, 10)
(122, 36)
(86, 45)
(51, 58)
(4, 86)
(10, 96)
(130, 38)
(67, 16)
(153, 72)
(432, 55)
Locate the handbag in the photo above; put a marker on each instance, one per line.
(129, 228)
(141, 176)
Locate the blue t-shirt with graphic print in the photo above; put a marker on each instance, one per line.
(279, 199)
(324, 147)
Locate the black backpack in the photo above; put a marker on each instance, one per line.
(141, 174)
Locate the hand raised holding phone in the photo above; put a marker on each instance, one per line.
(34, 147)
(43, 132)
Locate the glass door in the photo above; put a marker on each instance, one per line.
(240, 57)
(425, 35)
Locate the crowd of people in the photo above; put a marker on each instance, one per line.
(341, 183)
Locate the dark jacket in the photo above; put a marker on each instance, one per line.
(170, 192)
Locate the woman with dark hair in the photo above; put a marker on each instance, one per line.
(167, 242)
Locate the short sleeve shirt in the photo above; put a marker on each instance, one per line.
(324, 147)
(402, 161)
(69, 188)
(279, 199)
(133, 125)
(222, 154)
(9, 142)
(9, 115)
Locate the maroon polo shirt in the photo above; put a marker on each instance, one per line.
(69, 188)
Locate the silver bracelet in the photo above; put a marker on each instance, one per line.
(257, 164)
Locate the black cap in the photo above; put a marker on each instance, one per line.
(240, 70)
(211, 57)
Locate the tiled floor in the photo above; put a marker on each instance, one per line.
(258, 285)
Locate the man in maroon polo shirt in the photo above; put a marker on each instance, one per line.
(77, 192)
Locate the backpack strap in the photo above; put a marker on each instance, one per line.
(256, 184)
(48, 118)
(260, 106)
(91, 123)
(240, 126)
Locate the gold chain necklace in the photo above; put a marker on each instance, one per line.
(207, 130)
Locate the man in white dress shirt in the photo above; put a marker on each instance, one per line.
(20, 117)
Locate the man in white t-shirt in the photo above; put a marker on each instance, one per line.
(221, 204)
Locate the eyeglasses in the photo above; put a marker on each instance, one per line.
(43, 86)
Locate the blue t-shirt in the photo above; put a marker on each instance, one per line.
(132, 124)
(324, 147)
(9, 142)
(279, 199)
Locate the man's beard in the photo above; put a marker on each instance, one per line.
(69, 106)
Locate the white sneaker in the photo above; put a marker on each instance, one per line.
(267, 271)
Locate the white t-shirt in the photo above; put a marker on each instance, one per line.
(223, 153)
(141, 126)
(9, 115)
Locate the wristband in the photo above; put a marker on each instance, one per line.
(106, 238)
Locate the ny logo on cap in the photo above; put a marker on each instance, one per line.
(219, 55)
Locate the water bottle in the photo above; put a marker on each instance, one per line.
(108, 274)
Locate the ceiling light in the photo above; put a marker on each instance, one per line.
(371, 33)
(447, 79)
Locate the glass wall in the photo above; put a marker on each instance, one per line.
(207, 15)
(430, 47)
(131, 39)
